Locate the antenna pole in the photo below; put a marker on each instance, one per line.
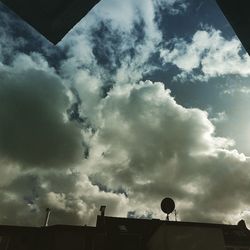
(46, 221)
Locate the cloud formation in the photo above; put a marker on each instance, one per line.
(153, 147)
(141, 144)
(33, 130)
(209, 53)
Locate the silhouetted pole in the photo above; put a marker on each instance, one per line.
(102, 210)
(167, 218)
(46, 221)
(175, 213)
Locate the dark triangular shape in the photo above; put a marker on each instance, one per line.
(52, 18)
(237, 13)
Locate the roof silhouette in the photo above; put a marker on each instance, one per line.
(112, 233)
(52, 18)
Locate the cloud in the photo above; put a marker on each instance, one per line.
(146, 146)
(106, 55)
(209, 54)
(72, 198)
(150, 147)
(8, 173)
(39, 151)
(219, 118)
(244, 90)
(8, 45)
(33, 131)
(174, 7)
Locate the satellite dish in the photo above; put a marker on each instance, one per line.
(167, 205)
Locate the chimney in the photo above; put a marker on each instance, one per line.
(46, 221)
(102, 210)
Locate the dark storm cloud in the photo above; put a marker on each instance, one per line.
(33, 128)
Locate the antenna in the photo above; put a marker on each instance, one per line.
(167, 206)
(46, 221)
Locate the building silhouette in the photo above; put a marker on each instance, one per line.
(111, 233)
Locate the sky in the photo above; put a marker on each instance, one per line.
(141, 100)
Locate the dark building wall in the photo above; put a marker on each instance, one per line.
(18, 238)
(47, 238)
(120, 234)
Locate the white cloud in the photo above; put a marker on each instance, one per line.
(150, 147)
(127, 61)
(174, 7)
(209, 52)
